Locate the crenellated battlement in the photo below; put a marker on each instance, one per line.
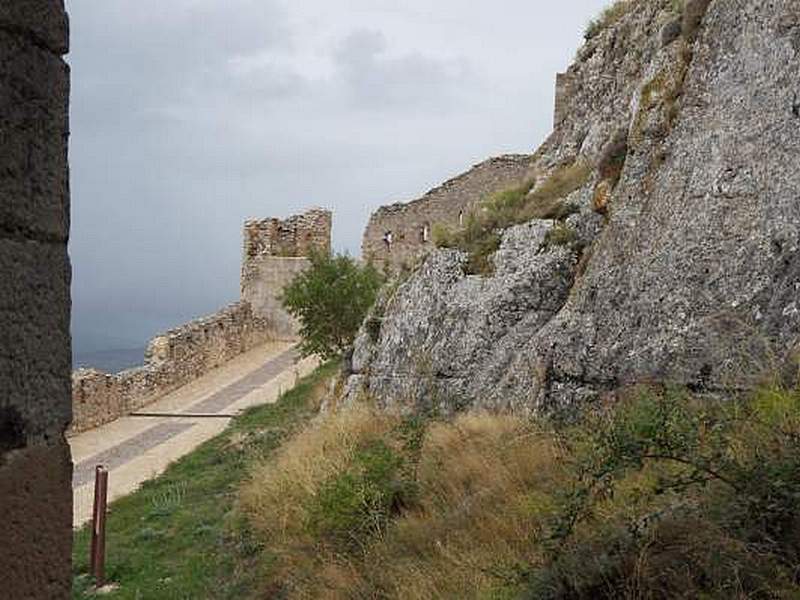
(296, 236)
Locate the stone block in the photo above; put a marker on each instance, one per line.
(36, 501)
(34, 184)
(43, 21)
(35, 358)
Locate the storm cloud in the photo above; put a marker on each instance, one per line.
(189, 116)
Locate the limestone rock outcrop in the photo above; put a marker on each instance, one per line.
(684, 261)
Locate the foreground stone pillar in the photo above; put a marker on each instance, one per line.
(35, 361)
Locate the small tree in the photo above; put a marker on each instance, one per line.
(330, 299)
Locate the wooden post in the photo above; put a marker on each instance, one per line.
(98, 549)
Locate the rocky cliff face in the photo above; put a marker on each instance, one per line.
(683, 262)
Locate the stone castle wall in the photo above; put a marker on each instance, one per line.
(399, 234)
(563, 95)
(266, 278)
(295, 236)
(35, 357)
(275, 252)
(172, 360)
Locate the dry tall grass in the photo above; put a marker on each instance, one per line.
(660, 496)
(482, 497)
(275, 495)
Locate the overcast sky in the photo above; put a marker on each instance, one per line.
(189, 116)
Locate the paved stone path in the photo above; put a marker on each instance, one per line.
(138, 447)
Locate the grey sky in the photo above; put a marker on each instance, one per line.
(189, 116)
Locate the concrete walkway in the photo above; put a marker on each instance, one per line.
(138, 448)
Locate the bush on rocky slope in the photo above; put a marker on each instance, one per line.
(659, 495)
(330, 300)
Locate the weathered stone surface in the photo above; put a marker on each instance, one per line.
(34, 335)
(275, 252)
(297, 236)
(693, 275)
(400, 234)
(172, 360)
(36, 504)
(35, 357)
(267, 276)
(33, 163)
(441, 324)
(44, 22)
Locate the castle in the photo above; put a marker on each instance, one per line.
(274, 253)
(398, 235)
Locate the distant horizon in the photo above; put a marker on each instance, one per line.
(110, 361)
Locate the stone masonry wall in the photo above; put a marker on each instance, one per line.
(266, 278)
(398, 234)
(275, 252)
(564, 93)
(172, 359)
(35, 466)
(296, 236)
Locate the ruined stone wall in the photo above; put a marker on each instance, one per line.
(172, 360)
(564, 93)
(690, 275)
(275, 252)
(399, 234)
(266, 278)
(298, 235)
(35, 466)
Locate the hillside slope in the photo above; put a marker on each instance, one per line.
(679, 259)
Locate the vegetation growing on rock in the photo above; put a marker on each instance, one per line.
(608, 17)
(481, 234)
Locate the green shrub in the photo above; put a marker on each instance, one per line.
(330, 299)
(358, 502)
(675, 497)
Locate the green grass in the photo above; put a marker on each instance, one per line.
(178, 536)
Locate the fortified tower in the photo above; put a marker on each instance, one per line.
(275, 251)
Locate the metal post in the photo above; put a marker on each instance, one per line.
(98, 550)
